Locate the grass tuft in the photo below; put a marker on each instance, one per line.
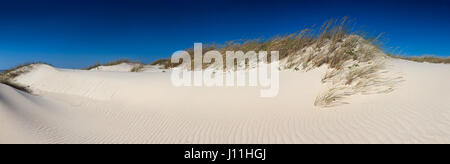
(137, 68)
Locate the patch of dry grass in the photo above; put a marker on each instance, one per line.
(112, 63)
(95, 65)
(18, 70)
(333, 45)
(117, 62)
(331, 97)
(15, 86)
(357, 72)
(160, 62)
(422, 59)
(7, 77)
(137, 68)
(334, 31)
(369, 77)
(351, 59)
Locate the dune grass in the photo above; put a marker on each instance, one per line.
(163, 62)
(331, 97)
(95, 65)
(7, 77)
(422, 59)
(353, 60)
(137, 68)
(112, 63)
(18, 70)
(331, 35)
(15, 86)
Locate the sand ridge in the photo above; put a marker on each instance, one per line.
(73, 106)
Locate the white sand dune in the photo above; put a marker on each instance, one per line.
(123, 67)
(127, 67)
(73, 106)
(154, 68)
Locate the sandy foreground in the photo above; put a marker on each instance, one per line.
(74, 106)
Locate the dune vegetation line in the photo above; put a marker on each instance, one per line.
(354, 63)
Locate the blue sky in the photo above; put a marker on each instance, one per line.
(75, 34)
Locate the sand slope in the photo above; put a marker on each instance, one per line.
(123, 67)
(73, 106)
